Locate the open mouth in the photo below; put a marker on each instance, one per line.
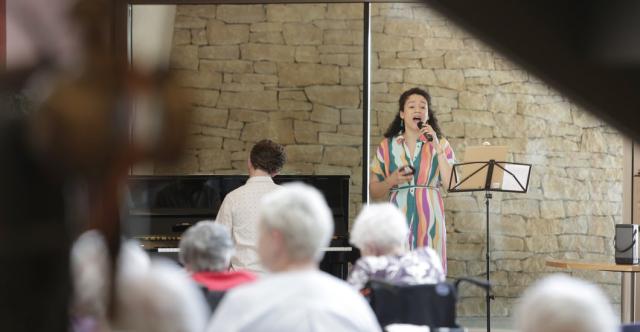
(417, 119)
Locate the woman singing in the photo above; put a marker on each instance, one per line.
(411, 164)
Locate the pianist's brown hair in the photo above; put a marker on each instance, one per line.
(268, 156)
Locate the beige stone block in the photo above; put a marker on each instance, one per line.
(181, 37)
(345, 11)
(339, 139)
(239, 87)
(295, 12)
(508, 76)
(240, 155)
(198, 79)
(208, 11)
(248, 116)
(340, 49)
(187, 164)
(593, 140)
(502, 103)
(581, 243)
(342, 156)
(184, 57)
(510, 125)
(307, 131)
(401, 12)
(292, 115)
(451, 79)
(212, 160)
(601, 226)
(294, 105)
(256, 100)
(395, 63)
(227, 66)
(324, 114)
(350, 76)
(199, 37)
(332, 24)
(475, 117)
(512, 225)
(304, 153)
(280, 131)
(555, 187)
(334, 59)
(452, 129)
(336, 96)
(417, 55)
(266, 27)
(298, 168)
(265, 67)
(189, 22)
(209, 116)
(200, 97)
(472, 101)
(542, 243)
(219, 33)
(552, 209)
(331, 170)
(349, 116)
(469, 222)
(355, 60)
(584, 119)
(459, 202)
(420, 44)
(351, 130)
(235, 125)
(420, 76)
(221, 132)
(264, 79)
(307, 54)
(260, 52)
(506, 243)
(241, 13)
(385, 42)
(231, 52)
(301, 34)
(463, 251)
(203, 142)
(468, 59)
(387, 75)
(305, 74)
(524, 88)
(292, 95)
(409, 28)
(340, 37)
(478, 131)
(266, 37)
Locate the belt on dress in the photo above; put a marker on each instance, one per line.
(413, 187)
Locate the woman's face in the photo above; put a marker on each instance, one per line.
(415, 110)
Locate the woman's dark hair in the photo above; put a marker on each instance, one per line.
(395, 127)
(268, 156)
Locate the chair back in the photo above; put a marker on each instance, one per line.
(433, 305)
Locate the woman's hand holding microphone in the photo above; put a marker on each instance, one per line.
(430, 134)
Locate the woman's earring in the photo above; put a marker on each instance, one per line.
(401, 125)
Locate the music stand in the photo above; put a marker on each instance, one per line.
(512, 176)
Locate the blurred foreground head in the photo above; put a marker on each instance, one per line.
(560, 303)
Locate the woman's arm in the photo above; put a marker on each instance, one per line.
(379, 190)
(444, 167)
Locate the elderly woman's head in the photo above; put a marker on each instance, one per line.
(380, 229)
(295, 224)
(560, 303)
(206, 246)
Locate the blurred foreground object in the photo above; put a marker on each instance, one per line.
(65, 159)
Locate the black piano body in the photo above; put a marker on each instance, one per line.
(160, 208)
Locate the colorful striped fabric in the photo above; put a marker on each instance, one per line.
(420, 200)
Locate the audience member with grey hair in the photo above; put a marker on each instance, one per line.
(149, 296)
(205, 251)
(560, 303)
(295, 225)
(380, 232)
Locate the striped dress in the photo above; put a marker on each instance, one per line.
(420, 200)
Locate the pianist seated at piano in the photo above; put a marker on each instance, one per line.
(380, 232)
(206, 249)
(295, 223)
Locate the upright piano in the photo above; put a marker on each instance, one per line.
(160, 208)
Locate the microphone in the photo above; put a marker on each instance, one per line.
(429, 137)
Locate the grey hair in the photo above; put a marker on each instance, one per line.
(381, 226)
(562, 303)
(302, 215)
(206, 246)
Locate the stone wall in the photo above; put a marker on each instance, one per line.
(293, 73)
(575, 194)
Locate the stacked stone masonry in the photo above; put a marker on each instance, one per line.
(293, 73)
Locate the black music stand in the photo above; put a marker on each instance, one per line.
(509, 183)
